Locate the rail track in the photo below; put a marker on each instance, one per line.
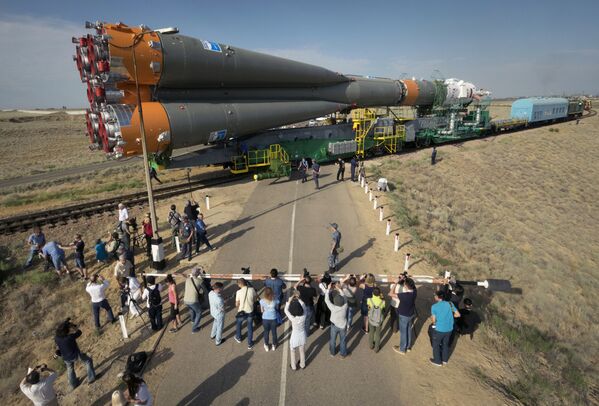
(61, 215)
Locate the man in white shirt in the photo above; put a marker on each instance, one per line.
(151, 293)
(123, 213)
(40, 390)
(244, 300)
(97, 291)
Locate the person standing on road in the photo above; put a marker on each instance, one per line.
(96, 288)
(194, 297)
(315, 173)
(349, 287)
(406, 312)
(35, 241)
(338, 307)
(269, 306)
(38, 389)
(323, 314)
(186, 232)
(173, 299)
(443, 313)
(376, 310)
(174, 221)
(295, 311)
(66, 341)
(277, 286)
(341, 169)
(307, 293)
(137, 392)
(352, 166)
(303, 169)
(151, 293)
(201, 234)
(335, 245)
(394, 291)
(217, 311)
(367, 283)
(244, 301)
(434, 156)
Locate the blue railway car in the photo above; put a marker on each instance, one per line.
(539, 109)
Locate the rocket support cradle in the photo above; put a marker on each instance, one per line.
(195, 91)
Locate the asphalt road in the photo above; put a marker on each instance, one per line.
(284, 225)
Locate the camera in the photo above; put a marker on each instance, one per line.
(245, 271)
(306, 273)
(402, 277)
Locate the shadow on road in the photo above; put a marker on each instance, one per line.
(220, 382)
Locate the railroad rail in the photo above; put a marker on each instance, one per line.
(62, 215)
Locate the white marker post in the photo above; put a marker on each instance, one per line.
(370, 195)
(388, 230)
(406, 265)
(123, 326)
(381, 213)
(359, 178)
(363, 182)
(365, 188)
(207, 202)
(376, 202)
(396, 243)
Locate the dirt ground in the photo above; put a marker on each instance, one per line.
(522, 207)
(30, 312)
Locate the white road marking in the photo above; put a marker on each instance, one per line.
(283, 389)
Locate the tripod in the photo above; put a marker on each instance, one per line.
(127, 292)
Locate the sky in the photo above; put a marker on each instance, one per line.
(512, 48)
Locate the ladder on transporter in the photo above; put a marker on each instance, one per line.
(384, 136)
(275, 158)
(363, 121)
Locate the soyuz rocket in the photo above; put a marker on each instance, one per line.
(196, 91)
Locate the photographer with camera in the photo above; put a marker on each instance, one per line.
(245, 298)
(151, 293)
(337, 304)
(38, 389)
(97, 291)
(307, 293)
(295, 311)
(406, 310)
(349, 287)
(66, 341)
(194, 297)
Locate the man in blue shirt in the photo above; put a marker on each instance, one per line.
(53, 250)
(186, 233)
(442, 319)
(277, 285)
(201, 234)
(35, 241)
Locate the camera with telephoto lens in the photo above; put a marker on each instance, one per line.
(245, 271)
(402, 277)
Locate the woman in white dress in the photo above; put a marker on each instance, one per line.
(295, 311)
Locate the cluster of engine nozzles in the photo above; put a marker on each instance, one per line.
(196, 91)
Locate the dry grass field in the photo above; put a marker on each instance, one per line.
(522, 207)
(33, 143)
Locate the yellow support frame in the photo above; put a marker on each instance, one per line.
(363, 120)
(258, 158)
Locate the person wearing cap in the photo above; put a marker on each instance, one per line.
(315, 173)
(38, 389)
(174, 221)
(338, 306)
(193, 297)
(335, 243)
(186, 233)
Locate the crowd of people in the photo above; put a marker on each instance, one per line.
(308, 305)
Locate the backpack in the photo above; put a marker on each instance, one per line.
(375, 314)
(136, 362)
(155, 299)
(174, 219)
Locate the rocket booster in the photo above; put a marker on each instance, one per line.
(196, 91)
